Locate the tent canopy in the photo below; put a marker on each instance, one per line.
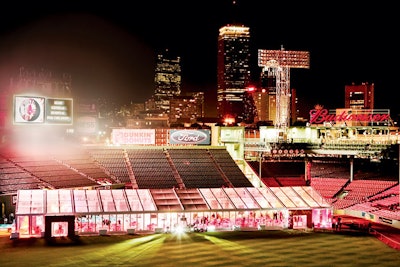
(81, 201)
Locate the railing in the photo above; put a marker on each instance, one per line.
(385, 239)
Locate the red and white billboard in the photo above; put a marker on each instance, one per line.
(29, 109)
(133, 136)
(42, 110)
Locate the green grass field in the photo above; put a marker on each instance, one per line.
(258, 248)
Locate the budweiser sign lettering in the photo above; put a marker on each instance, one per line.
(322, 115)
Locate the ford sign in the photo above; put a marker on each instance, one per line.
(190, 137)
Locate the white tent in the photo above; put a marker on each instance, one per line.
(118, 210)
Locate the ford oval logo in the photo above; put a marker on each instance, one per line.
(188, 136)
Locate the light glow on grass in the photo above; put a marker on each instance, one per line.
(180, 232)
(211, 228)
(230, 248)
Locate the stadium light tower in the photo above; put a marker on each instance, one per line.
(278, 63)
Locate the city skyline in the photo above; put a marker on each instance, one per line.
(110, 49)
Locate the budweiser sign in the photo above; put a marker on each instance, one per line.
(318, 116)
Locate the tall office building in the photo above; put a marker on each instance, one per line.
(233, 71)
(186, 108)
(167, 79)
(268, 87)
(359, 96)
(294, 112)
(260, 97)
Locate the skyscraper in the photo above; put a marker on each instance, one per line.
(167, 79)
(186, 108)
(359, 96)
(233, 70)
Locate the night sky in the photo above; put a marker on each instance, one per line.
(109, 47)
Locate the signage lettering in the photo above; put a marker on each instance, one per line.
(189, 137)
(322, 115)
(186, 136)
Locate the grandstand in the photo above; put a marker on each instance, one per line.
(174, 175)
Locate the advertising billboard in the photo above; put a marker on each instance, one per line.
(133, 136)
(232, 134)
(29, 109)
(42, 110)
(58, 111)
(190, 137)
(350, 117)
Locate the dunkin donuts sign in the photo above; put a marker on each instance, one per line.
(190, 137)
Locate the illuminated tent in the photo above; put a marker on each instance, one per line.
(125, 210)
